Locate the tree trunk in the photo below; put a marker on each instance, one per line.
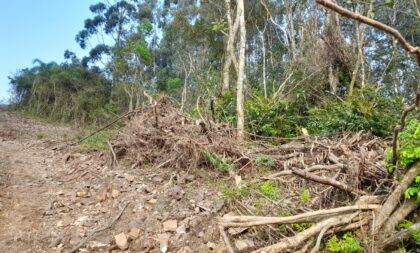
(241, 67)
(230, 54)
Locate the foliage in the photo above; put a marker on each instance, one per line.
(408, 154)
(305, 196)
(409, 144)
(236, 193)
(346, 245)
(269, 190)
(66, 92)
(413, 190)
(299, 227)
(40, 136)
(265, 160)
(222, 165)
(97, 142)
(365, 110)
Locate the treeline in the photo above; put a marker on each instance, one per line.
(305, 67)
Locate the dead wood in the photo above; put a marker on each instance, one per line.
(393, 200)
(328, 181)
(247, 221)
(399, 237)
(398, 216)
(299, 239)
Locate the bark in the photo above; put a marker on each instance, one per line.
(241, 68)
(230, 52)
(393, 200)
(398, 216)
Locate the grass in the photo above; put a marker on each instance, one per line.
(97, 142)
(40, 136)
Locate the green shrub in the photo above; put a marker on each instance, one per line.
(346, 245)
(265, 160)
(269, 190)
(408, 154)
(305, 196)
(222, 165)
(97, 142)
(365, 110)
(40, 136)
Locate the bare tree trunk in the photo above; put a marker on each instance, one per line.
(187, 75)
(230, 54)
(263, 54)
(241, 67)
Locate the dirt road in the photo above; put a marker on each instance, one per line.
(26, 183)
(53, 196)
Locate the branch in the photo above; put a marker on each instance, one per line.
(392, 31)
(300, 238)
(393, 200)
(246, 221)
(400, 236)
(328, 181)
(401, 126)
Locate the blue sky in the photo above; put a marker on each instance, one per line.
(41, 29)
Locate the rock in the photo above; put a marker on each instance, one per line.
(115, 193)
(189, 178)
(55, 242)
(130, 178)
(60, 193)
(95, 245)
(121, 241)
(236, 230)
(81, 221)
(152, 201)
(181, 229)
(50, 212)
(157, 179)
(82, 194)
(241, 244)
(134, 233)
(163, 240)
(211, 245)
(170, 225)
(220, 250)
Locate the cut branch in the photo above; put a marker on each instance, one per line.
(247, 221)
(393, 200)
(328, 181)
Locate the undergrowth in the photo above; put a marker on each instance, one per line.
(97, 142)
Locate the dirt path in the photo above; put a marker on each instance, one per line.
(53, 196)
(26, 184)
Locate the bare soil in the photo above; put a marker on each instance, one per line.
(52, 196)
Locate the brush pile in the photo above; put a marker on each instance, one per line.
(345, 176)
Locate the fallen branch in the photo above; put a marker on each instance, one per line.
(393, 200)
(400, 236)
(93, 233)
(398, 216)
(310, 169)
(247, 221)
(114, 156)
(226, 240)
(328, 181)
(300, 238)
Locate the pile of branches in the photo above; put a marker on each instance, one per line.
(160, 132)
(337, 171)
